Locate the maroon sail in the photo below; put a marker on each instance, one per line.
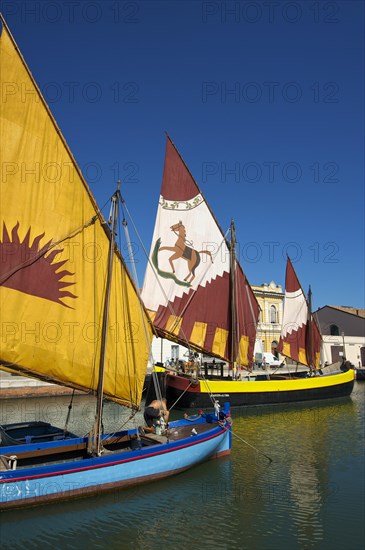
(300, 337)
(187, 286)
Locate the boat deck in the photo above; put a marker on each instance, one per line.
(127, 443)
(177, 433)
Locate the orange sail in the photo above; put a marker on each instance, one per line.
(187, 286)
(300, 336)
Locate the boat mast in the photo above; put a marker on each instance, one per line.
(309, 330)
(321, 350)
(233, 298)
(96, 447)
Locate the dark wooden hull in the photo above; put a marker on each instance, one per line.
(269, 392)
(360, 373)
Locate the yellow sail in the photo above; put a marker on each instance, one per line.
(53, 256)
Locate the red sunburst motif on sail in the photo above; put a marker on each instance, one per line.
(28, 268)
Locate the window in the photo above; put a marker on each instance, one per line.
(334, 330)
(273, 315)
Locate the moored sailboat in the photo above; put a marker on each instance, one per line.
(197, 295)
(71, 314)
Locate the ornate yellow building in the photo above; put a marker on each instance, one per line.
(271, 298)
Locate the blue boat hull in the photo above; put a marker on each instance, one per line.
(75, 479)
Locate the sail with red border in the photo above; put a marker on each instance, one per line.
(187, 283)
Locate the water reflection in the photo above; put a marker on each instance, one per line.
(242, 502)
(310, 444)
(124, 519)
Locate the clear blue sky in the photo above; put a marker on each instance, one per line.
(263, 99)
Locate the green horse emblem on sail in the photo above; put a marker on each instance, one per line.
(181, 249)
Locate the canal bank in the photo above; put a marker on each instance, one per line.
(14, 386)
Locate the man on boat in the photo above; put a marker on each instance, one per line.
(155, 410)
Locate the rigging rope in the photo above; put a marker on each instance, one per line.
(249, 444)
(173, 405)
(169, 305)
(69, 413)
(111, 435)
(210, 393)
(135, 276)
(34, 257)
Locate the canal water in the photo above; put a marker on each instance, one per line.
(311, 496)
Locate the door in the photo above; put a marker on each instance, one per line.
(335, 353)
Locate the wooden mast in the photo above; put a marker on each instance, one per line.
(96, 447)
(233, 298)
(309, 331)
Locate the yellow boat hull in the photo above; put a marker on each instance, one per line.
(257, 392)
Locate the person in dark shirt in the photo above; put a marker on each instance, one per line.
(155, 410)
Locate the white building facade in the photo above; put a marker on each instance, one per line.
(343, 333)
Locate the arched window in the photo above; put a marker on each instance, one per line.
(273, 315)
(334, 330)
